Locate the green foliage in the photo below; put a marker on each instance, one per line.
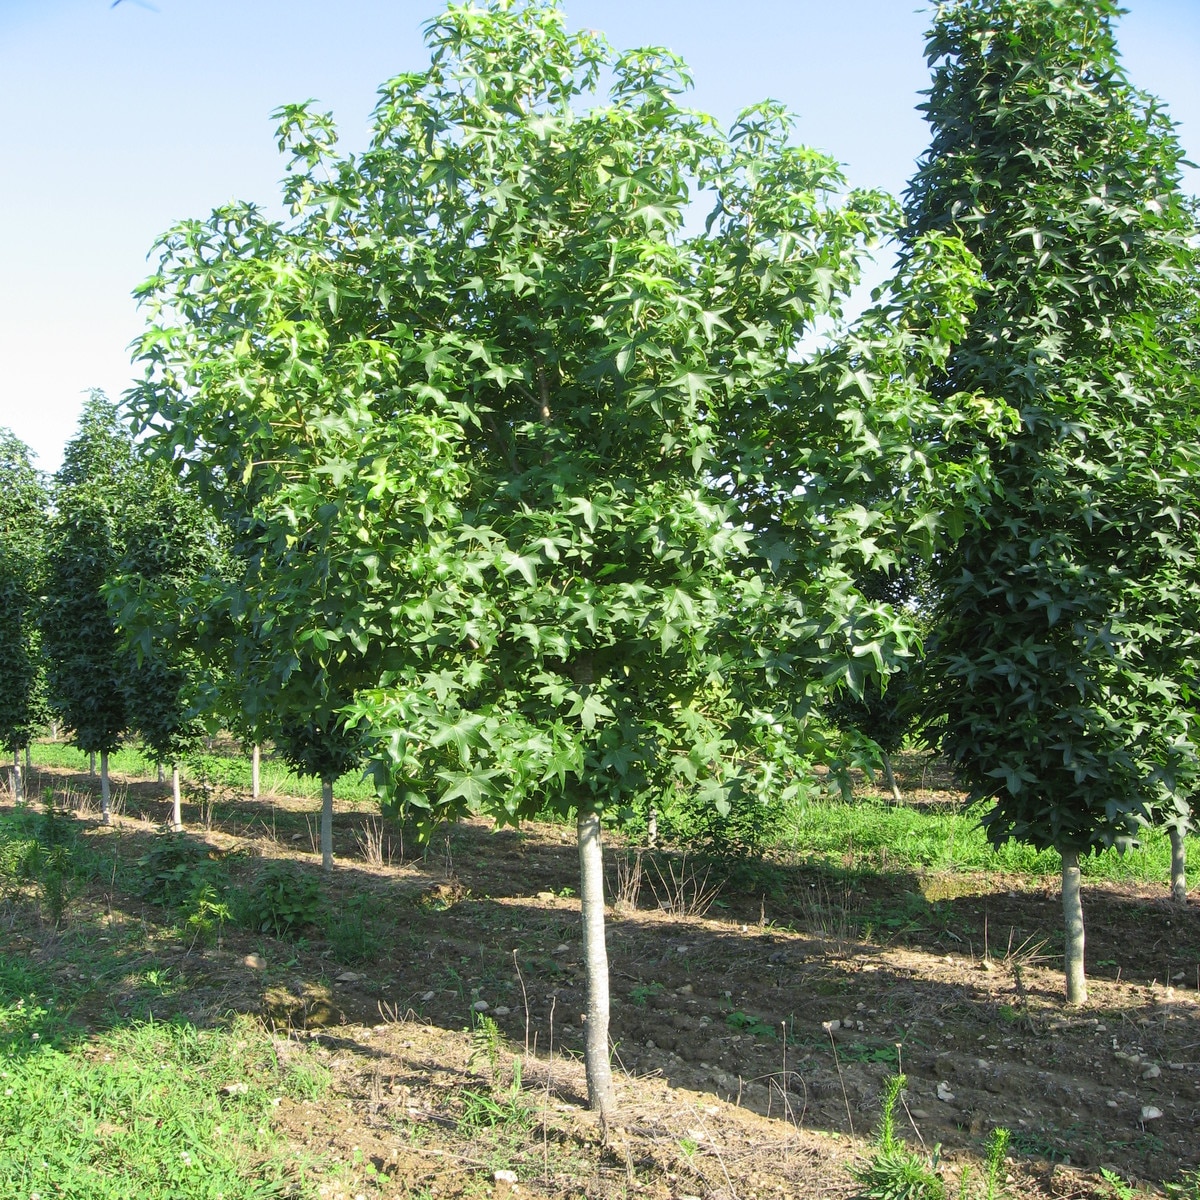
(280, 901)
(746, 1023)
(351, 932)
(894, 1172)
(40, 850)
(23, 505)
(1063, 660)
(996, 1149)
(175, 869)
(526, 477)
(84, 546)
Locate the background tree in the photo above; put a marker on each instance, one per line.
(1065, 638)
(23, 511)
(496, 421)
(169, 543)
(85, 660)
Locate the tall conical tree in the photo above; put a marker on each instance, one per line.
(169, 542)
(23, 510)
(85, 661)
(1065, 640)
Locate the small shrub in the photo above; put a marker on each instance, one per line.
(173, 869)
(281, 902)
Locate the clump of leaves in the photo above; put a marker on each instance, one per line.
(174, 869)
(281, 902)
(755, 1026)
(895, 1172)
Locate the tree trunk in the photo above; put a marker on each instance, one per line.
(176, 800)
(28, 759)
(161, 776)
(18, 784)
(327, 824)
(595, 957)
(1178, 864)
(255, 769)
(54, 731)
(889, 778)
(105, 799)
(92, 765)
(652, 827)
(1073, 923)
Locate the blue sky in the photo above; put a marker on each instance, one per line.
(121, 121)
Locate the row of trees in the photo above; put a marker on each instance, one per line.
(526, 495)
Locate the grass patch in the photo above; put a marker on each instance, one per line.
(873, 835)
(151, 1110)
(230, 771)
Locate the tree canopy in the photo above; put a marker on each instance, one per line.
(528, 463)
(1065, 643)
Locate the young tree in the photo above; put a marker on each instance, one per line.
(536, 476)
(86, 664)
(169, 543)
(23, 505)
(1065, 642)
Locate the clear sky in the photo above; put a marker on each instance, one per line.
(119, 121)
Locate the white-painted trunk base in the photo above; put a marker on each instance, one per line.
(176, 800)
(105, 794)
(255, 770)
(595, 958)
(327, 824)
(1073, 926)
(1178, 864)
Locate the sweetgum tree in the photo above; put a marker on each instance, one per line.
(169, 543)
(1065, 650)
(85, 660)
(23, 512)
(537, 477)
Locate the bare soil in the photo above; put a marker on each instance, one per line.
(752, 1033)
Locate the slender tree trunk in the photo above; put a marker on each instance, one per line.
(176, 800)
(652, 827)
(255, 770)
(92, 765)
(28, 759)
(1073, 923)
(595, 957)
(161, 774)
(105, 798)
(18, 784)
(889, 777)
(1178, 863)
(327, 824)
(54, 731)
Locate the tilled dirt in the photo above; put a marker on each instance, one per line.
(751, 1041)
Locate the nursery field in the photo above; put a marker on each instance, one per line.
(211, 1015)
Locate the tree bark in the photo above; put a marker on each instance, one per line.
(92, 765)
(595, 957)
(161, 777)
(889, 778)
(1073, 924)
(105, 797)
(176, 800)
(255, 769)
(652, 827)
(327, 824)
(1178, 864)
(18, 784)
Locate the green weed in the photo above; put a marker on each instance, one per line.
(895, 1172)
